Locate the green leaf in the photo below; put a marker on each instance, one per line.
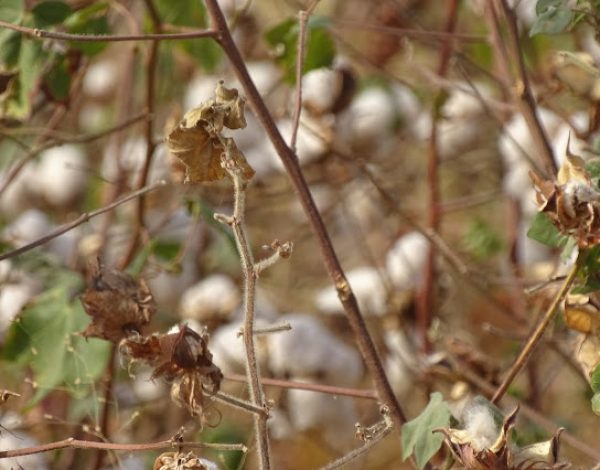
(10, 48)
(596, 403)
(543, 230)
(319, 50)
(58, 80)
(11, 11)
(554, 16)
(50, 13)
(482, 240)
(89, 20)
(192, 14)
(417, 436)
(44, 337)
(595, 379)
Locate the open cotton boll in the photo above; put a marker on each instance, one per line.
(320, 89)
(369, 119)
(227, 347)
(200, 89)
(462, 113)
(29, 226)
(412, 114)
(478, 422)
(13, 297)
(400, 362)
(405, 260)
(311, 351)
(368, 288)
(516, 139)
(309, 146)
(214, 297)
(333, 416)
(18, 195)
(100, 79)
(62, 174)
(265, 75)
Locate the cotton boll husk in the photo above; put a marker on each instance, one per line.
(28, 227)
(214, 297)
(333, 416)
(62, 174)
(368, 287)
(400, 362)
(311, 351)
(405, 260)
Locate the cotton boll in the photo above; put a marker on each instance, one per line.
(100, 79)
(94, 117)
(61, 175)
(320, 90)
(478, 422)
(264, 310)
(462, 114)
(400, 362)
(265, 75)
(146, 389)
(368, 288)
(369, 119)
(200, 89)
(227, 347)
(28, 227)
(412, 114)
(213, 297)
(309, 146)
(405, 260)
(333, 416)
(16, 440)
(311, 351)
(18, 195)
(13, 297)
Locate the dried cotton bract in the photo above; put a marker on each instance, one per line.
(177, 461)
(572, 202)
(197, 140)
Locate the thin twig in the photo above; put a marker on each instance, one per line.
(522, 89)
(302, 20)
(80, 220)
(43, 34)
(79, 444)
(288, 157)
(311, 387)
(354, 454)
(239, 404)
(537, 334)
(236, 221)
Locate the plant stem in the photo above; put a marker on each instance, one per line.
(537, 334)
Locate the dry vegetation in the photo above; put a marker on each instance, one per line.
(266, 234)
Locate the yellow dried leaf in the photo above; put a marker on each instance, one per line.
(588, 353)
(573, 169)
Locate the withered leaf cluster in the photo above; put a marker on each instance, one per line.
(118, 304)
(177, 460)
(502, 455)
(182, 358)
(582, 314)
(198, 141)
(572, 202)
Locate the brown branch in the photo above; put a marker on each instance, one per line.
(537, 334)
(332, 264)
(43, 34)
(311, 387)
(302, 20)
(521, 88)
(80, 220)
(109, 375)
(79, 444)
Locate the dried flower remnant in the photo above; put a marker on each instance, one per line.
(179, 461)
(118, 304)
(197, 140)
(182, 358)
(572, 202)
(467, 448)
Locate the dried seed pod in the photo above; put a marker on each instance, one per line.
(118, 304)
(177, 460)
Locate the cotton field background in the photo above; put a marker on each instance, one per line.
(299, 234)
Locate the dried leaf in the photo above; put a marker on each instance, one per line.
(581, 313)
(180, 461)
(197, 140)
(118, 304)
